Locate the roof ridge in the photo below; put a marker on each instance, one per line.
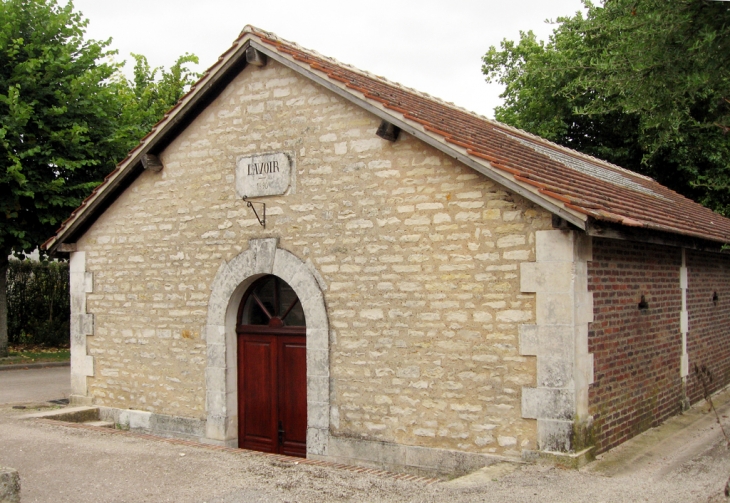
(273, 36)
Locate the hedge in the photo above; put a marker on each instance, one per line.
(38, 303)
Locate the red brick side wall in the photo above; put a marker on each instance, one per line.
(708, 340)
(636, 352)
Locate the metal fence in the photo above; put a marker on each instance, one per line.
(38, 303)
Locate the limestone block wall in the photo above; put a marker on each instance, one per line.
(420, 257)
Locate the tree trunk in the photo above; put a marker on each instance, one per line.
(3, 306)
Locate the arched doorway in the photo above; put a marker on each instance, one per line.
(272, 369)
(231, 282)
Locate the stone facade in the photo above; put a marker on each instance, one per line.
(418, 258)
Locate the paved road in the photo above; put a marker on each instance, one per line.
(684, 461)
(34, 385)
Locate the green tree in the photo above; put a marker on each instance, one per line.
(642, 83)
(144, 100)
(57, 114)
(153, 96)
(66, 116)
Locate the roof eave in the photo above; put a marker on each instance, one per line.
(653, 234)
(131, 166)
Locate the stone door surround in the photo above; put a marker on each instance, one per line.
(231, 282)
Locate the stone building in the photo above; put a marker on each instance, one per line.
(304, 258)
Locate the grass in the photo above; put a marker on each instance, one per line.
(22, 355)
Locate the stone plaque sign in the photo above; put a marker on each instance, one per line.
(263, 175)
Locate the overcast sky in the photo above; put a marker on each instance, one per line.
(434, 46)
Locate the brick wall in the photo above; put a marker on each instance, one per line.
(708, 340)
(636, 352)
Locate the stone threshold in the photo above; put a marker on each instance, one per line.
(573, 460)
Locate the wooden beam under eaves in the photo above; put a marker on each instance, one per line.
(388, 131)
(67, 247)
(255, 57)
(151, 163)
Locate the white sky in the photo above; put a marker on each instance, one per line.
(434, 46)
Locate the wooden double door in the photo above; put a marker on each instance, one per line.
(272, 370)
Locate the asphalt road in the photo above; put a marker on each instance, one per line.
(34, 385)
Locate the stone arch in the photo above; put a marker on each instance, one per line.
(230, 283)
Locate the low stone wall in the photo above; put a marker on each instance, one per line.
(157, 424)
(415, 460)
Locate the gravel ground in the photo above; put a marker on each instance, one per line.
(686, 461)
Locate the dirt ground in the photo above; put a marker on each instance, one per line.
(682, 461)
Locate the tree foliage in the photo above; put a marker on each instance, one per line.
(67, 115)
(150, 93)
(58, 113)
(153, 96)
(642, 83)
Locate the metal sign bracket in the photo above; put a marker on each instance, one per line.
(262, 218)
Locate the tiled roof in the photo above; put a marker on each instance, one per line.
(573, 185)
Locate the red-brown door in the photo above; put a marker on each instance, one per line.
(272, 393)
(272, 370)
(292, 377)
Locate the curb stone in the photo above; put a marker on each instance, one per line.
(28, 366)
